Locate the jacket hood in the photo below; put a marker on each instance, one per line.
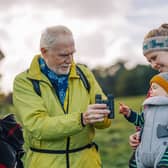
(35, 72)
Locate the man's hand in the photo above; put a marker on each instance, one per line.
(134, 140)
(95, 113)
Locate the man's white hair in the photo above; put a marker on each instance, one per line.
(51, 35)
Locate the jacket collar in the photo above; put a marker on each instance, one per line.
(157, 100)
(34, 71)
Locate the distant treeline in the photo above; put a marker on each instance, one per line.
(119, 81)
(115, 79)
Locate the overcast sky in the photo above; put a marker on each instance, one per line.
(104, 30)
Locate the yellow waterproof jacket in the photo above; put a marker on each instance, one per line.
(48, 126)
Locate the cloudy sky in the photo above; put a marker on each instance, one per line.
(104, 30)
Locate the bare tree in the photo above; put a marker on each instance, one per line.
(1, 55)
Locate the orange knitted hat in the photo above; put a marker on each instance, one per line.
(161, 79)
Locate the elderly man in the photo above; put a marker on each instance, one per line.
(55, 107)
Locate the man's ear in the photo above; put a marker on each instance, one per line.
(43, 51)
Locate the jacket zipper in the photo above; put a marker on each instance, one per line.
(67, 153)
(154, 116)
(68, 138)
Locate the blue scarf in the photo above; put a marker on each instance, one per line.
(59, 82)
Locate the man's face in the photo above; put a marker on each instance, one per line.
(157, 90)
(59, 57)
(158, 60)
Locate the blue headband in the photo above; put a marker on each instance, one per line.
(155, 44)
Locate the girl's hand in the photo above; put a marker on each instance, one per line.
(123, 109)
(134, 140)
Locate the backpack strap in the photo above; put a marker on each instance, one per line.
(83, 77)
(36, 86)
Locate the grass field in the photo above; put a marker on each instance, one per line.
(113, 142)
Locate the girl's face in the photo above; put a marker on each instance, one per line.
(158, 60)
(157, 90)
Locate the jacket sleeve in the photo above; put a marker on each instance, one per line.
(96, 89)
(32, 113)
(136, 119)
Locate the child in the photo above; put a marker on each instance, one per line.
(152, 151)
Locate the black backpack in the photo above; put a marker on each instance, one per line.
(11, 143)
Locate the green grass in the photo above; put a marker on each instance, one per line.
(113, 142)
(5, 109)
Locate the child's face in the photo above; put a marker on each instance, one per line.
(157, 90)
(158, 60)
